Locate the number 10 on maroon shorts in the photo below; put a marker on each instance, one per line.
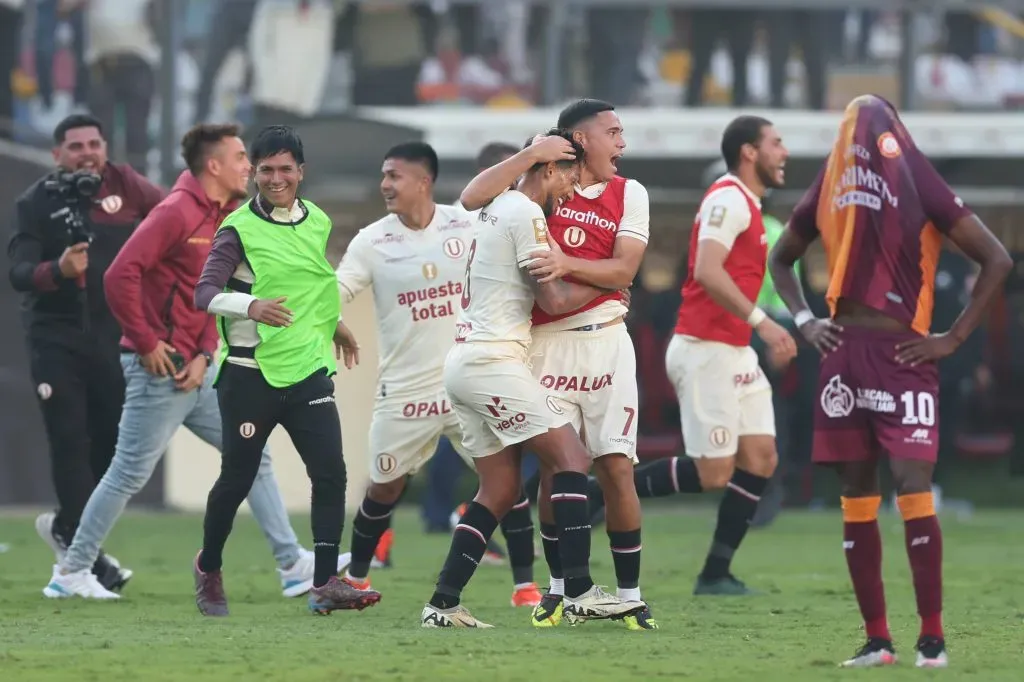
(869, 405)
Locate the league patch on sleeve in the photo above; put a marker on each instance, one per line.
(717, 216)
(540, 230)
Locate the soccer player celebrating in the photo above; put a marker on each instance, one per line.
(586, 356)
(414, 259)
(276, 364)
(502, 407)
(725, 400)
(882, 210)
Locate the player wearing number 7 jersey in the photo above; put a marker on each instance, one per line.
(586, 357)
(881, 211)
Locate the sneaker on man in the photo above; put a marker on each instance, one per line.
(455, 617)
(46, 531)
(110, 574)
(596, 604)
(210, 597)
(931, 653)
(527, 595)
(726, 586)
(340, 595)
(78, 584)
(641, 620)
(548, 613)
(875, 653)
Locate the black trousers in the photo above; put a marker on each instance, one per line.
(250, 408)
(80, 387)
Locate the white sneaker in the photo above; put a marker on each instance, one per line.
(78, 584)
(44, 528)
(298, 580)
(455, 617)
(596, 604)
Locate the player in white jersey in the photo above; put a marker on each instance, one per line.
(587, 357)
(502, 407)
(414, 260)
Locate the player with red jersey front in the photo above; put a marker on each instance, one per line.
(881, 210)
(586, 357)
(725, 400)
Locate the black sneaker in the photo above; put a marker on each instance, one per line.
(110, 574)
(931, 653)
(728, 585)
(876, 652)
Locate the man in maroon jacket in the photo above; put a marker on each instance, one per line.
(167, 352)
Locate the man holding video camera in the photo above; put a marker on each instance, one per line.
(69, 226)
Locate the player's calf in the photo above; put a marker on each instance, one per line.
(615, 473)
(372, 520)
(517, 527)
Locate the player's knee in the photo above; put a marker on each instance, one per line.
(757, 455)
(386, 493)
(499, 498)
(715, 473)
(911, 477)
(615, 474)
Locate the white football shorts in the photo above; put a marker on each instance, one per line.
(496, 399)
(405, 433)
(723, 394)
(593, 375)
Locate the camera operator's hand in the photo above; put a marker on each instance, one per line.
(74, 261)
(192, 376)
(158, 361)
(270, 312)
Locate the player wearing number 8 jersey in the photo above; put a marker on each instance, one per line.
(502, 407)
(881, 210)
(586, 357)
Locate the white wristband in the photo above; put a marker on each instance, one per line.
(756, 317)
(802, 318)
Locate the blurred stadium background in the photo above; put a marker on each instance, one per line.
(357, 77)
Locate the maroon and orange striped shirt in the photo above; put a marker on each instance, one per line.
(880, 208)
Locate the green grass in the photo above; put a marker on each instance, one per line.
(797, 632)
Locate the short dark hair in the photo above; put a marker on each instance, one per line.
(199, 141)
(582, 110)
(577, 149)
(75, 121)
(416, 152)
(274, 140)
(742, 130)
(494, 153)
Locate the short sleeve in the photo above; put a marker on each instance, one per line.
(804, 219)
(724, 216)
(636, 213)
(529, 233)
(355, 272)
(942, 206)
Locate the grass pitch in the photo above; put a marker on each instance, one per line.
(797, 632)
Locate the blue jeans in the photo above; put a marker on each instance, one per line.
(153, 411)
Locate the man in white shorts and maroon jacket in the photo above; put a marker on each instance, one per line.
(586, 357)
(414, 260)
(725, 400)
(502, 407)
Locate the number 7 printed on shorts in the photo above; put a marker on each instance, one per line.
(630, 413)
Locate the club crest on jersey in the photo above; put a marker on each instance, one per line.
(888, 145)
(429, 270)
(574, 236)
(111, 204)
(454, 247)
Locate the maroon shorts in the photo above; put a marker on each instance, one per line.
(869, 405)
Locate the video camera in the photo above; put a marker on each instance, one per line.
(76, 190)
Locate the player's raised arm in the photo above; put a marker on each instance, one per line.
(612, 273)
(489, 183)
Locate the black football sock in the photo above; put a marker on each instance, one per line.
(517, 527)
(572, 516)
(739, 503)
(549, 539)
(625, 546)
(667, 476)
(325, 562)
(469, 541)
(372, 520)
